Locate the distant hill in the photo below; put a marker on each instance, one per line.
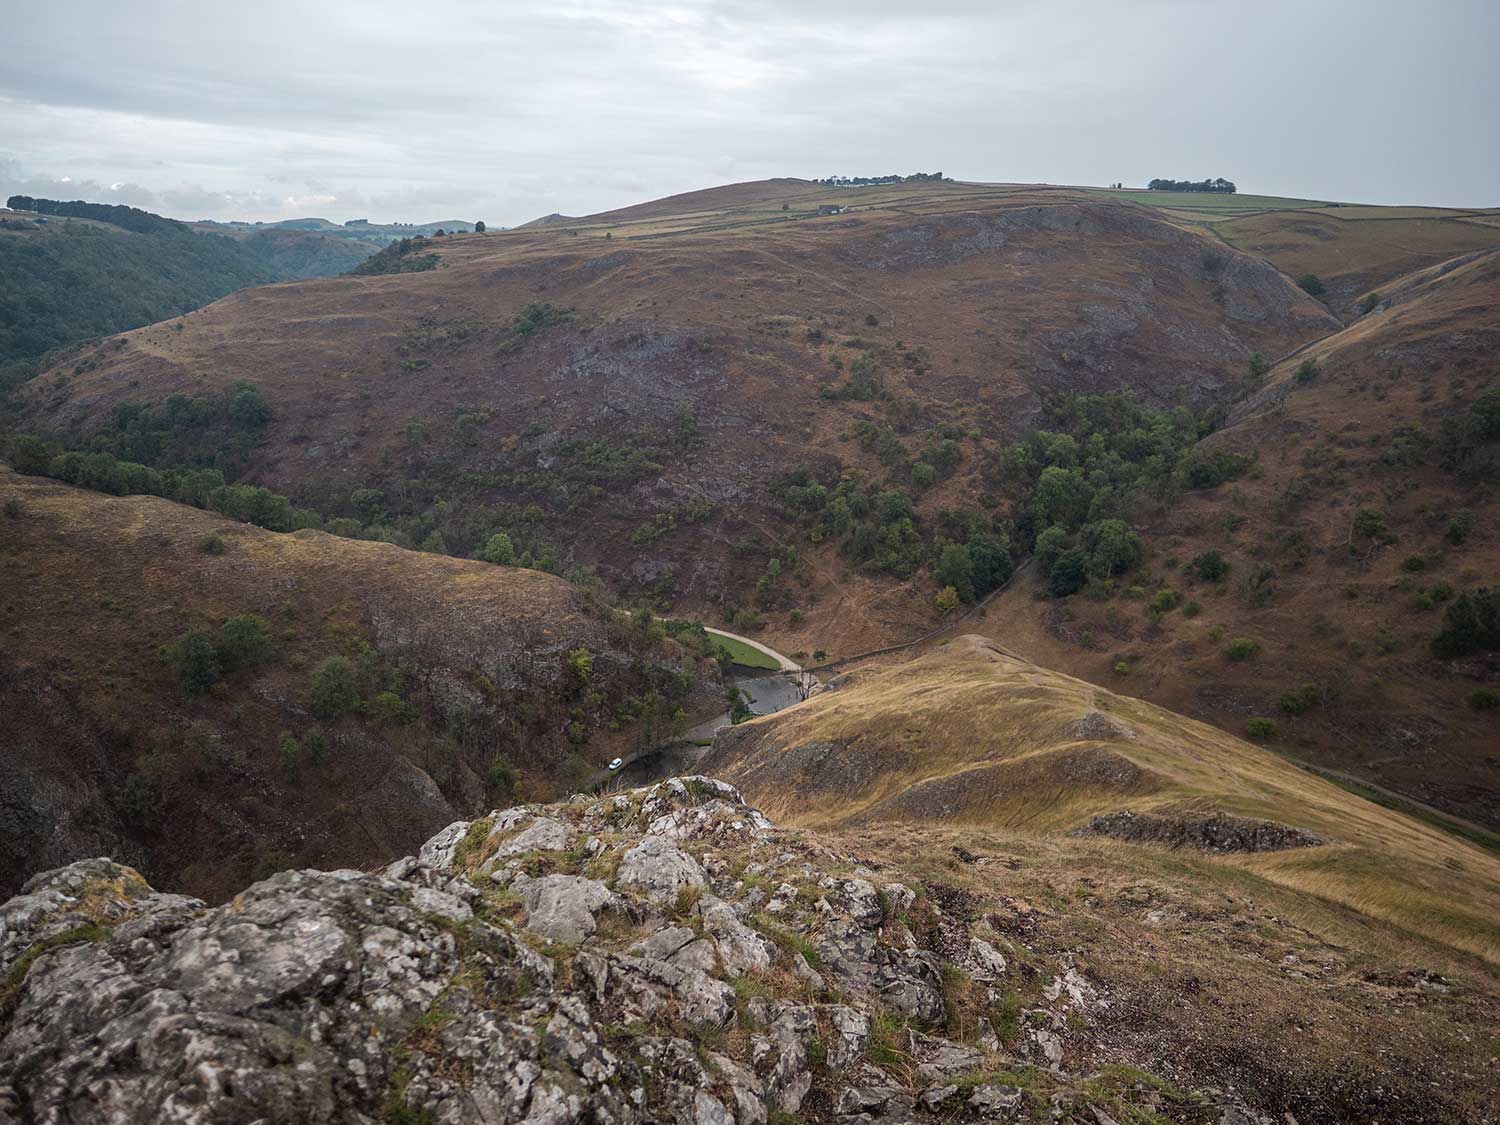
(73, 270)
(67, 279)
(811, 409)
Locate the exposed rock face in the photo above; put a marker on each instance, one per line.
(433, 992)
(1217, 833)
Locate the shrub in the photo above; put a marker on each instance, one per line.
(1415, 564)
(1209, 566)
(1306, 371)
(1298, 701)
(315, 747)
(289, 756)
(499, 549)
(13, 508)
(580, 668)
(243, 641)
(1460, 526)
(333, 687)
(1164, 603)
(501, 775)
(387, 708)
(1122, 667)
(871, 319)
(1311, 284)
(1192, 609)
(1203, 468)
(1241, 648)
(1260, 729)
(196, 658)
(1370, 524)
(1484, 699)
(211, 545)
(946, 601)
(1369, 304)
(923, 475)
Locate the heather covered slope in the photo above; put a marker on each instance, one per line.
(342, 699)
(970, 736)
(649, 387)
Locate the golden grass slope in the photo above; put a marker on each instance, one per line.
(972, 736)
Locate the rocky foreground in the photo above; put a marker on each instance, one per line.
(664, 954)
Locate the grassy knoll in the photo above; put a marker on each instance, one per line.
(972, 737)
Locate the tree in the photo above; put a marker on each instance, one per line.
(1049, 545)
(992, 563)
(1061, 497)
(243, 641)
(334, 687)
(1311, 284)
(1113, 547)
(955, 571)
(500, 550)
(196, 659)
(1069, 572)
(1209, 566)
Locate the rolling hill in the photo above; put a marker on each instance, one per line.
(739, 405)
(972, 737)
(657, 383)
(1372, 511)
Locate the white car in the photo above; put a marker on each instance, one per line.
(616, 763)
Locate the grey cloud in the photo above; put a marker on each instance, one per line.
(471, 109)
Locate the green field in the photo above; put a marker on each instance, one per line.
(743, 655)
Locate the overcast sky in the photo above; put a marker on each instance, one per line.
(508, 109)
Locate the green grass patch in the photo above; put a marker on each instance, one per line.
(742, 654)
(794, 945)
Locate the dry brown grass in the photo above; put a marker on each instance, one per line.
(901, 731)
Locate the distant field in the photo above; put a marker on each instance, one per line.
(1367, 249)
(1210, 201)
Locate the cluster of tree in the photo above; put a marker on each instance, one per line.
(1076, 481)
(1469, 442)
(1218, 185)
(869, 181)
(188, 431)
(200, 658)
(127, 218)
(185, 449)
(879, 531)
(82, 281)
(399, 257)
